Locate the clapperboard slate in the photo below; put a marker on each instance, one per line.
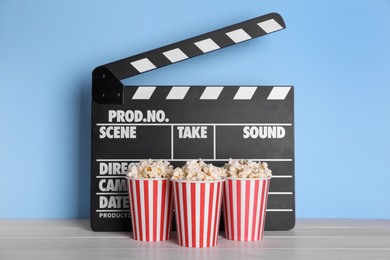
(179, 123)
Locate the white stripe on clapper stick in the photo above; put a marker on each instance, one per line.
(144, 92)
(207, 45)
(178, 93)
(175, 55)
(278, 93)
(245, 93)
(238, 35)
(143, 65)
(211, 93)
(270, 26)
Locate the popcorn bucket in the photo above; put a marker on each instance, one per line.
(244, 208)
(151, 208)
(197, 210)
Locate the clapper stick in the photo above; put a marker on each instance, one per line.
(108, 89)
(180, 123)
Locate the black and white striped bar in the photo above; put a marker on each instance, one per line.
(211, 92)
(196, 46)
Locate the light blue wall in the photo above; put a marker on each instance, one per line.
(336, 53)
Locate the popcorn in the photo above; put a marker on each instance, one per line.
(247, 169)
(150, 169)
(198, 170)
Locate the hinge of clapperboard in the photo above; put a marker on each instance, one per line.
(108, 89)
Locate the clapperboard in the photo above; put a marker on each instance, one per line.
(180, 123)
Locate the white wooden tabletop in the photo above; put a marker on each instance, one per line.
(311, 239)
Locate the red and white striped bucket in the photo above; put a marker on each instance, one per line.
(197, 210)
(151, 208)
(244, 208)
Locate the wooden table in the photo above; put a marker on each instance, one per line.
(311, 239)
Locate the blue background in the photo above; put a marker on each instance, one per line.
(335, 53)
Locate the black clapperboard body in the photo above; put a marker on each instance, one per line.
(180, 123)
